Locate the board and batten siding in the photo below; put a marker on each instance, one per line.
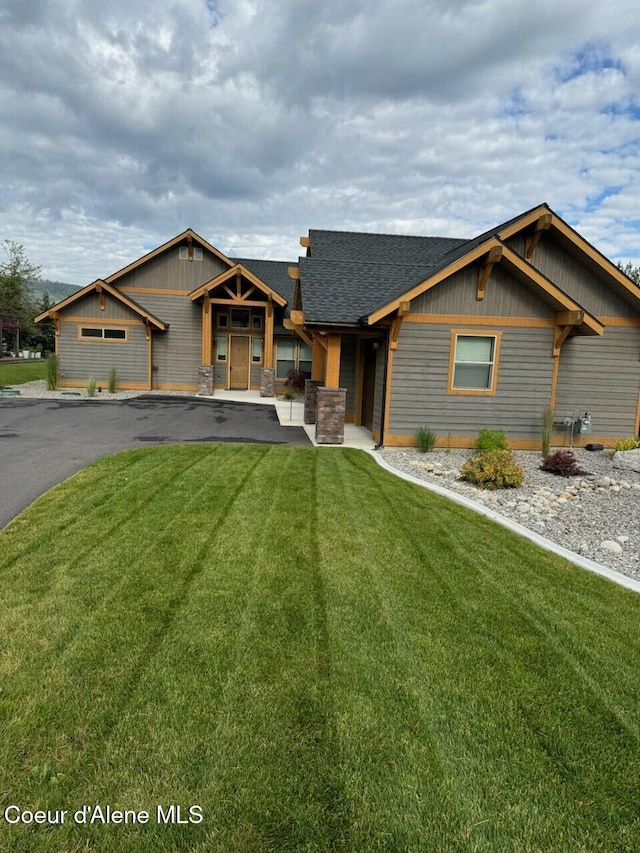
(420, 375)
(601, 375)
(89, 306)
(80, 359)
(349, 371)
(578, 282)
(176, 354)
(168, 272)
(505, 296)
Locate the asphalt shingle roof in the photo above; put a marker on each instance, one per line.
(273, 273)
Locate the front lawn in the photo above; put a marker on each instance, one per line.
(16, 371)
(319, 655)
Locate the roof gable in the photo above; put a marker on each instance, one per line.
(204, 289)
(100, 286)
(189, 236)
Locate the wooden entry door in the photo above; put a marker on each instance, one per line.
(239, 362)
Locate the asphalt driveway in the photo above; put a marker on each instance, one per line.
(44, 441)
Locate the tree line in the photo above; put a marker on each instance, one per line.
(18, 307)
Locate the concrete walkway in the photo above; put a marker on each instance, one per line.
(291, 413)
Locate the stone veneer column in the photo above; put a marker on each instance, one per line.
(332, 403)
(268, 382)
(311, 400)
(205, 380)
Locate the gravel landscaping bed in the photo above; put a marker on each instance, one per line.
(38, 390)
(596, 515)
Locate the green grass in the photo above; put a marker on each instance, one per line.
(18, 371)
(321, 656)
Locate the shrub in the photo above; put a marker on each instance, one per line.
(296, 379)
(563, 463)
(493, 469)
(52, 371)
(547, 429)
(288, 394)
(91, 386)
(630, 443)
(426, 439)
(491, 439)
(112, 381)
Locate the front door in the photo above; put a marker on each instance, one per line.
(239, 362)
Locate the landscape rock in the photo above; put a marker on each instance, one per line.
(611, 546)
(628, 460)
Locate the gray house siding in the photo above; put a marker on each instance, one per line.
(168, 272)
(349, 371)
(420, 374)
(378, 401)
(505, 297)
(80, 359)
(576, 280)
(602, 375)
(176, 353)
(89, 306)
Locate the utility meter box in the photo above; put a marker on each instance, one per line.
(583, 425)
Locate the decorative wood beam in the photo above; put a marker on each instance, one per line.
(238, 284)
(288, 323)
(294, 272)
(493, 257)
(332, 372)
(268, 333)
(396, 323)
(320, 339)
(305, 241)
(247, 293)
(543, 223)
(560, 335)
(189, 247)
(569, 318)
(206, 330)
(229, 291)
(297, 317)
(318, 352)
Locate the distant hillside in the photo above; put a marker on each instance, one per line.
(57, 290)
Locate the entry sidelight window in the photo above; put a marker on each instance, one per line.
(221, 350)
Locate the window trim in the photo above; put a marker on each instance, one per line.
(474, 392)
(101, 339)
(296, 355)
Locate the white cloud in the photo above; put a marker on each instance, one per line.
(123, 123)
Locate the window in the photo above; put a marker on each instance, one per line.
(256, 322)
(102, 333)
(256, 350)
(285, 358)
(221, 350)
(292, 355)
(473, 363)
(239, 318)
(196, 253)
(223, 321)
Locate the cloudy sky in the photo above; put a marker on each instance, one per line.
(124, 122)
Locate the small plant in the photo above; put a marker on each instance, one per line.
(491, 439)
(547, 429)
(563, 463)
(288, 394)
(493, 469)
(91, 386)
(630, 443)
(296, 380)
(426, 439)
(112, 381)
(448, 445)
(52, 371)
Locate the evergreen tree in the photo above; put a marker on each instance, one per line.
(629, 270)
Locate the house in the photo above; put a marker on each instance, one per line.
(396, 332)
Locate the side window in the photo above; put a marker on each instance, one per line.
(473, 363)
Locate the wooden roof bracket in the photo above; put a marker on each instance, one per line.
(295, 323)
(566, 321)
(543, 223)
(493, 257)
(396, 323)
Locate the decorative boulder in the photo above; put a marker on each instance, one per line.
(628, 460)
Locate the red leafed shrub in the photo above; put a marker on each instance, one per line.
(563, 463)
